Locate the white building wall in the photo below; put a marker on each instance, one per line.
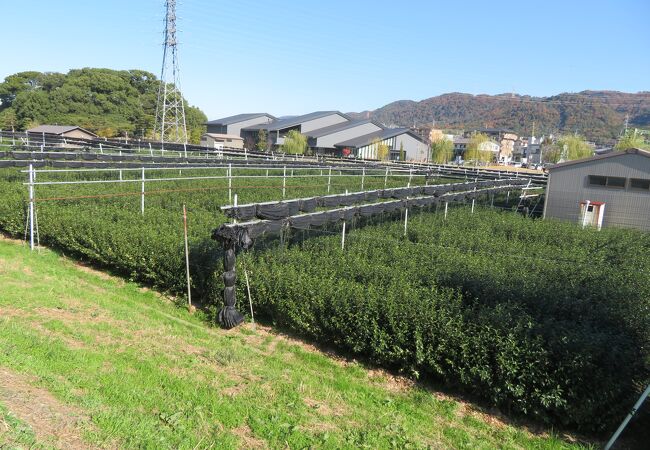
(321, 122)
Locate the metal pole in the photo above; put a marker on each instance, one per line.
(329, 180)
(250, 299)
(230, 183)
(284, 182)
(120, 174)
(101, 150)
(31, 207)
(473, 200)
(343, 237)
(185, 148)
(386, 178)
(406, 220)
(635, 408)
(187, 260)
(363, 177)
(142, 200)
(410, 176)
(446, 206)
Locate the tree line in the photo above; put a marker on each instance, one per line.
(107, 102)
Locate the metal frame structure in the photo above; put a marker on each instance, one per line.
(170, 110)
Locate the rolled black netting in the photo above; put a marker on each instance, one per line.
(272, 211)
(308, 204)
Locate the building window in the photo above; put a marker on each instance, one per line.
(596, 180)
(616, 182)
(613, 182)
(640, 184)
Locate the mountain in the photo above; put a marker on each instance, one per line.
(598, 115)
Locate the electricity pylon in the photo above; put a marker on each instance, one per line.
(170, 110)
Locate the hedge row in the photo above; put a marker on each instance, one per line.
(539, 318)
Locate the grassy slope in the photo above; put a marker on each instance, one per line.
(150, 375)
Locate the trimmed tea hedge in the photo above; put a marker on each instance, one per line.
(541, 318)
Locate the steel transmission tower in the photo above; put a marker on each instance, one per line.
(170, 111)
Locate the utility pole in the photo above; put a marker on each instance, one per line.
(170, 111)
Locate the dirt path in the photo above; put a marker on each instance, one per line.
(52, 422)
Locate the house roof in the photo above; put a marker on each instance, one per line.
(495, 130)
(629, 151)
(320, 132)
(386, 133)
(238, 118)
(223, 136)
(57, 129)
(294, 121)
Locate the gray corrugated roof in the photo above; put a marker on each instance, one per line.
(57, 129)
(367, 139)
(238, 118)
(294, 121)
(629, 151)
(320, 132)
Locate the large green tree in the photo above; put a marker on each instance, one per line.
(632, 139)
(567, 148)
(108, 102)
(442, 151)
(295, 143)
(476, 150)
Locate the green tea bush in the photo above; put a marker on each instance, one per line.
(538, 317)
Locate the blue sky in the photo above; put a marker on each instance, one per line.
(292, 57)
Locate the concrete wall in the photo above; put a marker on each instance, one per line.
(569, 185)
(370, 150)
(415, 150)
(321, 122)
(329, 140)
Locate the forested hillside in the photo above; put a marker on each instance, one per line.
(108, 102)
(598, 115)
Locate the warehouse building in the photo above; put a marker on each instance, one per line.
(612, 189)
(279, 128)
(324, 140)
(327, 132)
(233, 124)
(397, 140)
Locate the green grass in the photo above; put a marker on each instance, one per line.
(16, 434)
(150, 375)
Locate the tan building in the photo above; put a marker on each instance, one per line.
(222, 141)
(66, 131)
